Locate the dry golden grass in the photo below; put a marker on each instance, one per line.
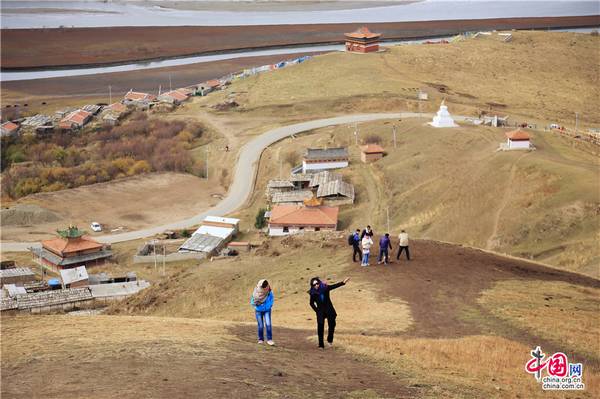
(198, 292)
(562, 313)
(469, 367)
(451, 185)
(526, 76)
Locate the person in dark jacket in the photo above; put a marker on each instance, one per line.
(321, 304)
(356, 246)
(367, 232)
(385, 244)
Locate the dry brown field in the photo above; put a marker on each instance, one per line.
(131, 203)
(30, 48)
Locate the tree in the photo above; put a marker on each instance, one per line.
(260, 220)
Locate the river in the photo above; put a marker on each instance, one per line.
(52, 14)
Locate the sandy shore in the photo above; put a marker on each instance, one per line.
(42, 48)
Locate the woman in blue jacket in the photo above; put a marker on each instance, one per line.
(262, 301)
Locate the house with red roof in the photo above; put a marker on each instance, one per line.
(175, 97)
(75, 120)
(9, 129)
(292, 219)
(71, 249)
(517, 140)
(138, 99)
(371, 153)
(362, 41)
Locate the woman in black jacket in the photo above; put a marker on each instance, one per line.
(321, 304)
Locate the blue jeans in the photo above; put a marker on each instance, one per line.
(383, 255)
(365, 258)
(264, 319)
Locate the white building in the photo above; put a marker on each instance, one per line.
(517, 140)
(443, 118)
(317, 159)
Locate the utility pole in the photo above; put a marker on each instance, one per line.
(170, 86)
(394, 130)
(356, 133)
(109, 95)
(164, 271)
(388, 218)
(154, 245)
(576, 121)
(207, 162)
(280, 167)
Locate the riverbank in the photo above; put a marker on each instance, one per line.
(24, 49)
(48, 95)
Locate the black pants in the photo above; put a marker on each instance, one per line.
(400, 249)
(321, 328)
(356, 251)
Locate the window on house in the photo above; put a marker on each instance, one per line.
(286, 229)
(317, 229)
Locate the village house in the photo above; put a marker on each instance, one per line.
(75, 120)
(291, 219)
(9, 129)
(317, 159)
(17, 275)
(291, 197)
(139, 100)
(278, 186)
(174, 97)
(336, 192)
(214, 232)
(371, 153)
(112, 113)
(37, 124)
(71, 249)
(517, 140)
(92, 108)
(320, 178)
(75, 277)
(362, 41)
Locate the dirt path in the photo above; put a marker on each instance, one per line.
(442, 283)
(492, 241)
(123, 364)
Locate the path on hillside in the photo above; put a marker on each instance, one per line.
(491, 241)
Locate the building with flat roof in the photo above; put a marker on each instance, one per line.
(318, 159)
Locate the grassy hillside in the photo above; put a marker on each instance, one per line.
(536, 76)
(454, 322)
(451, 185)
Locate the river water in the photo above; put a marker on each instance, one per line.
(39, 14)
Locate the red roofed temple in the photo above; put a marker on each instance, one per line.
(71, 249)
(362, 41)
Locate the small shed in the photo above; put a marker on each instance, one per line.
(75, 277)
(371, 153)
(336, 192)
(239, 246)
(517, 140)
(17, 275)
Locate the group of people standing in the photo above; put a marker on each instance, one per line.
(362, 242)
(262, 301)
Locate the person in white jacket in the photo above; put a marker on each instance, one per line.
(403, 245)
(366, 249)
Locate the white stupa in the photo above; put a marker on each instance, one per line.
(443, 118)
